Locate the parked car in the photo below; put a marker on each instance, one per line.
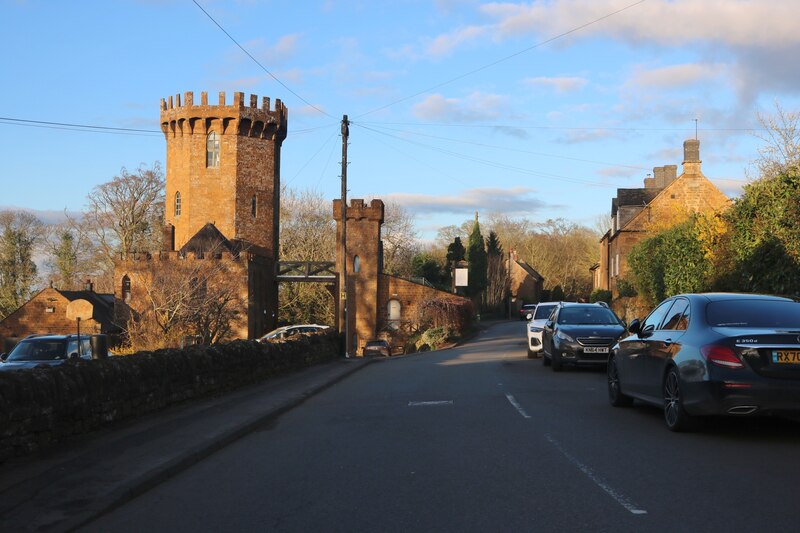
(46, 350)
(711, 354)
(536, 323)
(378, 347)
(285, 332)
(526, 310)
(577, 333)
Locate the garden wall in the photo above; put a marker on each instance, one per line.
(41, 407)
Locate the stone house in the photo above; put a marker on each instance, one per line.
(526, 284)
(56, 311)
(665, 200)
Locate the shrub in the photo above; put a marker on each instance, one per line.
(433, 338)
(625, 288)
(600, 295)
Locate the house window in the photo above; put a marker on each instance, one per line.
(126, 289)
(253, 207)
(178, 204)
(356, 265)
(393, 309)
(212, 150)
(616, 265)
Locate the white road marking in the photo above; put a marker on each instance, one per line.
(426, 404)
(517, 406)
(620, 499)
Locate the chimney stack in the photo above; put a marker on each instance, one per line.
(658, 173)
(88, 286)
(691, 157)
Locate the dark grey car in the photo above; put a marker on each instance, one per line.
(711, 354)
(579, 334)
(47, 350)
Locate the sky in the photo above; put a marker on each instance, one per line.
(533, 109)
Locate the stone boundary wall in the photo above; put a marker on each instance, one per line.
(42, 407)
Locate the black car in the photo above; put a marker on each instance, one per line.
(525, 310)
(711, 354)
(579, 333)
(46, 350)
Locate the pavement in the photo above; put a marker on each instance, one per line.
(72, 484)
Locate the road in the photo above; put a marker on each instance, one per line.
(480, 438)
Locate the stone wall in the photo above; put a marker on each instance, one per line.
(42, 407)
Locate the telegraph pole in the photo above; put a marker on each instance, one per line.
(343, 319)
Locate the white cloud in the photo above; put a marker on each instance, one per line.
(512, 202)
(444, 45)
(475, 107)
(561, 85)
(675, 76)
(273, 53)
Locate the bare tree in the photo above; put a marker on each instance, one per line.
(308, 233)
(399, 240)
(781, 136)
(126, 214)
(20, 234)
(194, 297)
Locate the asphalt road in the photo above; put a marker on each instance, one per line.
(480, 438)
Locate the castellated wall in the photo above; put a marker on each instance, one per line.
(250, 274)
(249, 138)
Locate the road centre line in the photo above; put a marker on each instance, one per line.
(517, 406)
(620, 499)
(427, 404)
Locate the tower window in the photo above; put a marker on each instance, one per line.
(212, 150)
(178, 204)
(253, 207)
(356, 265)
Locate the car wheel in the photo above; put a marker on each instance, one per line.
(545, 360)
(675, 415)
(615, 395)
(558, 366)
(531, 355)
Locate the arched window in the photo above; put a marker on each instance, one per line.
(356, 264)
(393, 310)
(212, 150)
(253, 207)
(178, 204)
(126, 289)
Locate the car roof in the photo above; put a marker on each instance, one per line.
(723, 296)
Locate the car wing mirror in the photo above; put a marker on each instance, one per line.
(549, 324)
(635, 326)
(73, 355)
(3, 356)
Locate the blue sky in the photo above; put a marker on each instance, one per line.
(457, 105)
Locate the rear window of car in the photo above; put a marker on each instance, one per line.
(754, 314)
(543, 311)
(377, 343)
(587, 315)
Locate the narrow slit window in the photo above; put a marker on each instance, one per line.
(253, 207)
(178, 204)
(126, 289)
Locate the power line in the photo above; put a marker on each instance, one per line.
(258, 63)
(506, 58)
(76, 127)
(563, 128)
(518, 150)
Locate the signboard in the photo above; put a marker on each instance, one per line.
(461, 277)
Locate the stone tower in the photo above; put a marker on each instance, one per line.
(223, 168)
(363, 267)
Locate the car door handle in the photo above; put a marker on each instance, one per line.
(667, 342)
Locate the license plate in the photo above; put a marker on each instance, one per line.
(595, 349)
(791, 357)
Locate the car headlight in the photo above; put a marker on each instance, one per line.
(534, 329)
(563, 336)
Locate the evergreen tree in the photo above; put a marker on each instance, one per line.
(476, 255)
(19, 233)
(497, 281)
(65, 260)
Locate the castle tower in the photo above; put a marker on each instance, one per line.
(364, 265)
(223, 168)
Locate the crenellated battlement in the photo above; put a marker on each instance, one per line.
(189, 256)
(181, 116)
(358, 210)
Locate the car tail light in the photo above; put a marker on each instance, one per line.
(722, 356)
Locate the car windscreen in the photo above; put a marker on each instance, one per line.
(38, 350)
(772, 314)
(587, 315)
(543, 311)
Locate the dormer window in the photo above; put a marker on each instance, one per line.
(212, 150)
(178, 204)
